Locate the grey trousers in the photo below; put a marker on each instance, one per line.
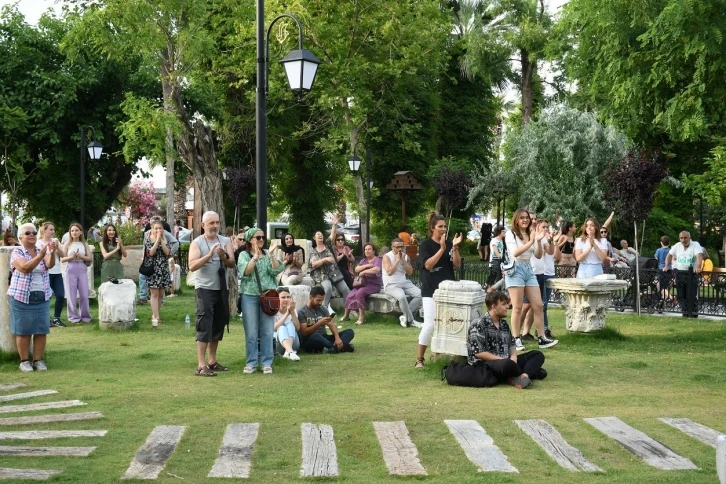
(327, 284)
(401, 291)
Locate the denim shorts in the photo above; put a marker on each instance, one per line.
(523, 276)
(588, 271)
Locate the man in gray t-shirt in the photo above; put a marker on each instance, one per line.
(209, 255)
(313, 320)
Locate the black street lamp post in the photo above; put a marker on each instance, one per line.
(354, 164)
(95, 150)
(301, 67)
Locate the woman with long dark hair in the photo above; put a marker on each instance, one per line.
(566, 244)
(112, 250)
(523, 242)
(439, 257)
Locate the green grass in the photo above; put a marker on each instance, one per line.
(637, 370)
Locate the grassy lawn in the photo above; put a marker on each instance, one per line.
(639, 370)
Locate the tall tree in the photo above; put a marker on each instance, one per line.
(173, 38)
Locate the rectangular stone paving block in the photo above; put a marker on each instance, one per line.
(29, 474)
(50, 434)
(399, 452)
(478, 446)
(696, 430)
(151, 458)
(46, 451)
(10, 386)
(651, 451)
(55, 417)
(20, 396)
(40, 406)
(552, 442)
(319, 455)
(235, 454)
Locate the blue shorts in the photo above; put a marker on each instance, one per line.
(523, 276)
(588, 271)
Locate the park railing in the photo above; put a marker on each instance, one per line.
(703, 293)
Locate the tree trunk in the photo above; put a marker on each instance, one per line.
(170, 218)
(527, 74)
(637, 269)
(195, 144)
(360, 194)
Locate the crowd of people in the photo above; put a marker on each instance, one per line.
(238, 271)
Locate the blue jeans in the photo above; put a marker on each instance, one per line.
(545, 292)
(143, 290)
(286, 331)
(56, 284)
(257, 325)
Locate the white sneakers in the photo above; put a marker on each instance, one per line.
(402, 320)
(26, 366)
(518, 344)
(154, 323)
(416, 324)
(40, 365)
(291, 355)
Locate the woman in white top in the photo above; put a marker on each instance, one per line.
(522, 244)
(47, 233)
(590, 250)
(287, 325)
(78, 254)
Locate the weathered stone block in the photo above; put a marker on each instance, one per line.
(456, 304)
(117, 305)
(7, 340)
(586, 301)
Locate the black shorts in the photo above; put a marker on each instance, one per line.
(212, 315)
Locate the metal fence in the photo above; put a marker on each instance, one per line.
(703, 293)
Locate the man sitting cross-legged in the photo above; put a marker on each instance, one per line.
(490, 340)
(313, 320)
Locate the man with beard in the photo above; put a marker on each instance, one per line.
(313, 320)
(209, 255)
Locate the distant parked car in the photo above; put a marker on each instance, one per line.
(352, 233)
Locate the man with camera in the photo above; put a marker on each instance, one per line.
(396, 266)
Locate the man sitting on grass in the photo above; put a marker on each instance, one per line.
(490, 340)
(313, 320)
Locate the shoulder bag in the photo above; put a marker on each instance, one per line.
(147, 265)
(508, 264)
(466, 375)
(269, 300)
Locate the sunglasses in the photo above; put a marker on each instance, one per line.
(240, 239)
(398, 247)
(340, 240)
(259, 237)
(603, 231)
(28, 232)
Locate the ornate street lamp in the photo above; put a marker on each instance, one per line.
(301, 66)
(95, 150)
(354, 164)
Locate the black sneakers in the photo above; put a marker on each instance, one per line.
(57, 323)
(548, 333)
(527, 337)
(545, 342)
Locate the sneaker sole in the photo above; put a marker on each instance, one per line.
(549, 345)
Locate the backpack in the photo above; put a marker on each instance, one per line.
(466, 375)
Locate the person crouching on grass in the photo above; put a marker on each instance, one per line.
(490, 340)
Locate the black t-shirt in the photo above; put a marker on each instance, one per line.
(442, 271)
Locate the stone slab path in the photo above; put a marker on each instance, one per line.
(478, 446)
(556, 446)
(235, 454)
(20, 396)
(50, 434)
(319, 455)
(40, 406)
(30, 474)
(10, 386)
(651, 451)
(151, 458)
(57, 417)
(696, 430)
(399, 452)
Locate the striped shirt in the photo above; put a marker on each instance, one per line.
(21, 282)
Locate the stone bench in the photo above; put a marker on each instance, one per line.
(117, 305)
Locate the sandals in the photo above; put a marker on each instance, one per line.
(217, 367)
(205, 371)
(419, 363)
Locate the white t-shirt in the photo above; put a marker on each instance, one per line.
(545, 264)
(591, 257)
(399, 275)
(684, 258)
(500, 247)
(513, 244)
(56, 269)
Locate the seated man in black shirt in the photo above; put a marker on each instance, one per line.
(313, 320)
(490, 340)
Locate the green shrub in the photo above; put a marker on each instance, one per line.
(130, 233)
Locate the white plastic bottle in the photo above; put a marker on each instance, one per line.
(187, 322)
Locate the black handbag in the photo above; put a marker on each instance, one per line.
(147, 265)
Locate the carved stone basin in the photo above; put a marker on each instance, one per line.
(586, 301)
